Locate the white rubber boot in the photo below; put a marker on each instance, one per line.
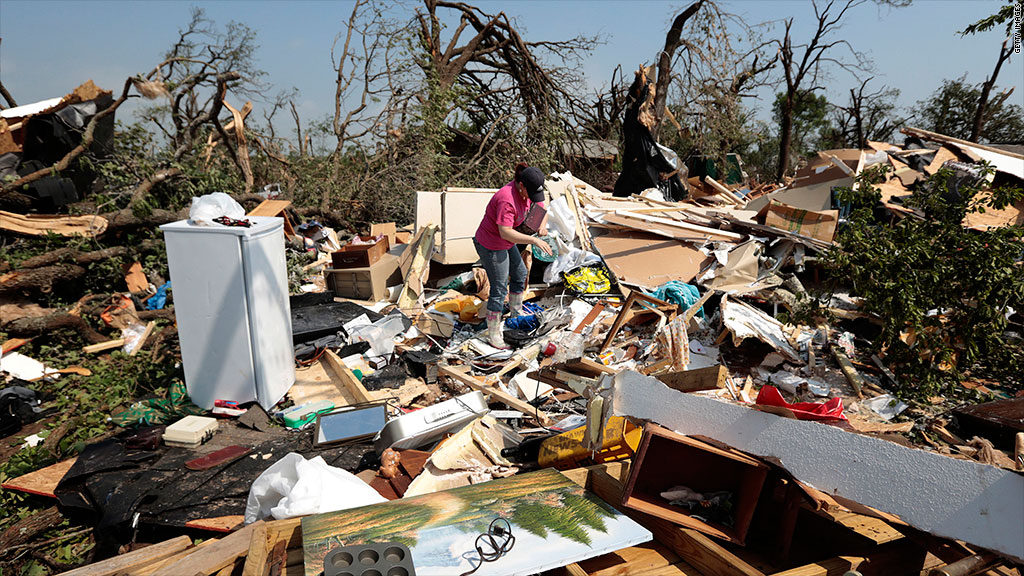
(494, 337)
(515, 304)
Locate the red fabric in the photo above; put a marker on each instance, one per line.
(770, 397)
(505, 208)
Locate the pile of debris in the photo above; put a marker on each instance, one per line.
(650, 392)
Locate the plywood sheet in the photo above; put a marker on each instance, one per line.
(649, 260)
(41, 482)
(312, 384)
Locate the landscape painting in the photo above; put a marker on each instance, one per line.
(555, 522)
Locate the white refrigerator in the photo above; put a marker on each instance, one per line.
(230, 290)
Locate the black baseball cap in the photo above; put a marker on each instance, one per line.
(533, 179)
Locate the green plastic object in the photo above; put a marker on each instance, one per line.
(299, 416)
(544, 257)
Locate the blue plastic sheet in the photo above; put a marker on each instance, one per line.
(676, 292)
(159, 300)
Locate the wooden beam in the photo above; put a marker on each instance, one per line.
(494, 391)
(215, 557)
(936, 137)
(708, 378)
(900, 557)
(132, 560)
(143, 338)
(259, 552)
(102, 346)
(683, 225)
(346, 377)
(849, 371)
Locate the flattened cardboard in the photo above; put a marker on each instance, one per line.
(818, 225)
(643, 259)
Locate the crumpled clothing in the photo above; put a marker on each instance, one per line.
(680, 293)
(159, 300)
(159, 410)
(673, 343)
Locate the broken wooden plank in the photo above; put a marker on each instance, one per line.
(143, 338)
(215, 557)
(259, 552)
(708, 378)
(224, 524)
(681, 225)
(494, 391)
(277, 208)
(134, 559)
(103, 346)
(42, 482)
(854, 377)
(347, 378)
(421, 254)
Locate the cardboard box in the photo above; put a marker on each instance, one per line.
(360, 255)
(666, 459)
(366, 283)
(458, 212)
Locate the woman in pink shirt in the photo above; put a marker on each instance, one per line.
(496, 241)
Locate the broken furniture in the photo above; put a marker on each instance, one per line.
(360, 252)
(365, 283)
(231, 304)
(666, 459)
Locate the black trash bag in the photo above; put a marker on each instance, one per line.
(643, 161)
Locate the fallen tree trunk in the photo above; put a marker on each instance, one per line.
(78, 257)
(58, 320)
(29, 527)
(124, 220)
(33, 280)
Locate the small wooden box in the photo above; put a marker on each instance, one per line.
(666, 459)
(367, 283)
(360, 255)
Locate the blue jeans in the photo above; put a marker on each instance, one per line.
(505, 270)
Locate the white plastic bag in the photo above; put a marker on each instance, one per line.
(206, 208)
(294, 486)
(561, 219)
(568, 258)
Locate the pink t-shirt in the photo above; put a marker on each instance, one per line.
(506, 208)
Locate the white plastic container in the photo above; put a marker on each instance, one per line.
(230, 287)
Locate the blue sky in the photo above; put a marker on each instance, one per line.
(49, 47)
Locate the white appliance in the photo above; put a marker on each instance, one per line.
(230, 287)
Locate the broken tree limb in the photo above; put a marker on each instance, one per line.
(87, 137)
(40, 225)
(39, 325)
(146, 185)
(127, 220)
(36, 280)
(76, 256)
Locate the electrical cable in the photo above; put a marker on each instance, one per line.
(498, 541)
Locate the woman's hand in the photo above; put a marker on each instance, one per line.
(540, 243)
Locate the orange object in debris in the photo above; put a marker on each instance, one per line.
(466, 307)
